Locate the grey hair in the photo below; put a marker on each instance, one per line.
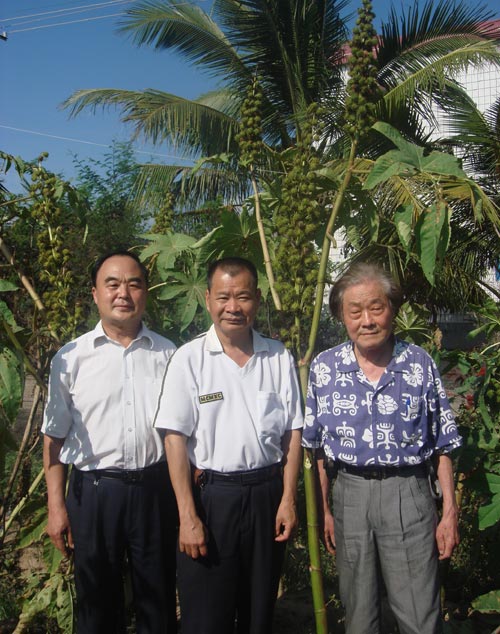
(359, 273)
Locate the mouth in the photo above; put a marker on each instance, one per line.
(123, 307)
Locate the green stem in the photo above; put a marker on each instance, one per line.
(263, 242)
(309, 463)
(23, 501)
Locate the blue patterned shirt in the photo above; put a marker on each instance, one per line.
(402, 421)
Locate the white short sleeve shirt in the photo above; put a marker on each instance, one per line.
(103, 397)
(234, 418)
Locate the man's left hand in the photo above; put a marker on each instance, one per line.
(286, 521)
(447, 536)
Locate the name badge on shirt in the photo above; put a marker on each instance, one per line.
(208, 398)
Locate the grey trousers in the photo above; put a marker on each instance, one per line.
(385, 530)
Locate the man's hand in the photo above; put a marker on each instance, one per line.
(329, 532)
(193, 538)
(447, 536)
(59, 530)
(286, 521)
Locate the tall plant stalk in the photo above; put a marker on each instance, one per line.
(363, 92)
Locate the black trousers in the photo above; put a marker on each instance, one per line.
(111, 518)
(238, 580)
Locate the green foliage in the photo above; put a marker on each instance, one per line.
(489, 602)
(112, 220)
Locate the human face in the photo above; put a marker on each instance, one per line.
(120, 293)
(232, 303)
(367, 315)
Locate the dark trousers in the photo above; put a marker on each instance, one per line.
(111, 518)
(239, 578)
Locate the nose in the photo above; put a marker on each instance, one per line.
(123, 290)
(232, 305)
(366, 318)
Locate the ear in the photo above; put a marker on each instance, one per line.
(207, 297)
(94, 295)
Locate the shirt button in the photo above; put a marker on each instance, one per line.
(129, 403)
(130, 429)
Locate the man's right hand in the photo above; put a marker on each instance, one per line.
(193, 538)
(59, 530)
(329, 532)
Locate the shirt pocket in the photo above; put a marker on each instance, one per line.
(270, 414)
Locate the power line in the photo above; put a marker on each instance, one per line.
(67, 9)
(47, 26)
(64, 138)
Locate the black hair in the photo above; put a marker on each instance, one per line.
(122, 253)
(232, 266)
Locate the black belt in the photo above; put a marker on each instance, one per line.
(381, 473)
(254, 476)
(130, 476)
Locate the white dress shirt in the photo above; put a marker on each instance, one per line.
(234, 417)
(103, 397)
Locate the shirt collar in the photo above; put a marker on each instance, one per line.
(100, 336)
(348, 362)
(213, 343)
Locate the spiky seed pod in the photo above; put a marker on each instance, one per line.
(297, 220)
(165, 215)
(363, 90)
(249, 137)
(54, 258)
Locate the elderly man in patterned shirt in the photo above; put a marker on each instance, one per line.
(378, 415)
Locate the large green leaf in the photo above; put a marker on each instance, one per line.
(168, 248)
(391, 164)
(188, 290)
(409, 158)
(403, 219)
(489, 515)
(431, 244)
(5, 285)
(7, 316)
(237, 235)
(489, 602)
(11, 382)
(34, 530)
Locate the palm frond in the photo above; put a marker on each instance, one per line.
(419, 74)
(186, 28)
(158, 116)
(192, 188)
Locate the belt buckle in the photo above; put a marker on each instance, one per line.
(374, 474)
(250, 478)
(132, 477)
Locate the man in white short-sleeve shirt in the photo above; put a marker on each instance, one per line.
(231, 409)
(103, 392)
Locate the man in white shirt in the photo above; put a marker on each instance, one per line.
(103, 393)
(231, 409)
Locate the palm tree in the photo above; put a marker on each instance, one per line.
(297, 49)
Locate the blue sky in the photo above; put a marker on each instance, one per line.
(41, 67)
